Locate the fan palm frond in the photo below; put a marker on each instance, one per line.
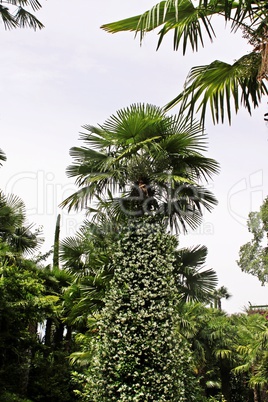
(193, 282)
(24, 19)
(219, 83)
(182, 16)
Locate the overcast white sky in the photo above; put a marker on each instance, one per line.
(72, 73)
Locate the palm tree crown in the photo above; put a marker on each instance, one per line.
(14, 230)
(143, 161)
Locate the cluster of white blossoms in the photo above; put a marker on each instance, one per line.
(140, 357)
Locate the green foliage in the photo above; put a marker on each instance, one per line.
(219, 85)
(193, 282)
(8, 397)
(253, 256)
(217, 398)
(214, 338)
(139, 357)
(50, 378)
(22, 305)
(86, 257)
(222, 86)
(14, 230)
(218, 294)
(31, 295)
(28, 296)
(252, 349)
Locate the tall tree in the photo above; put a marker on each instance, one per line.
(219, 85)
(253, 256)
(140, 164)
(218, 295)
(15, 14)
(140, 357)
(14, 229)
(141, 161)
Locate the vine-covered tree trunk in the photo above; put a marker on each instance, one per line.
(139, 356)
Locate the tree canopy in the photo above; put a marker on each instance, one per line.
(253, 256)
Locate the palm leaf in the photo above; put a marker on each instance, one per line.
(216, 84)
(188, 21)
(7, 18)
(193, 282)
(96, 137)
(12, 212)
(223, 354)
(2, 157)
(25, 19)
(34, 4)
(192, 257)
(178, 15)
(25, 240)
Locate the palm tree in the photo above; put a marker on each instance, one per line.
(14, 230)
(215, 84)
(212, 336)
(86, 257)
(218, 294)
(141, 161)
(14, 14)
